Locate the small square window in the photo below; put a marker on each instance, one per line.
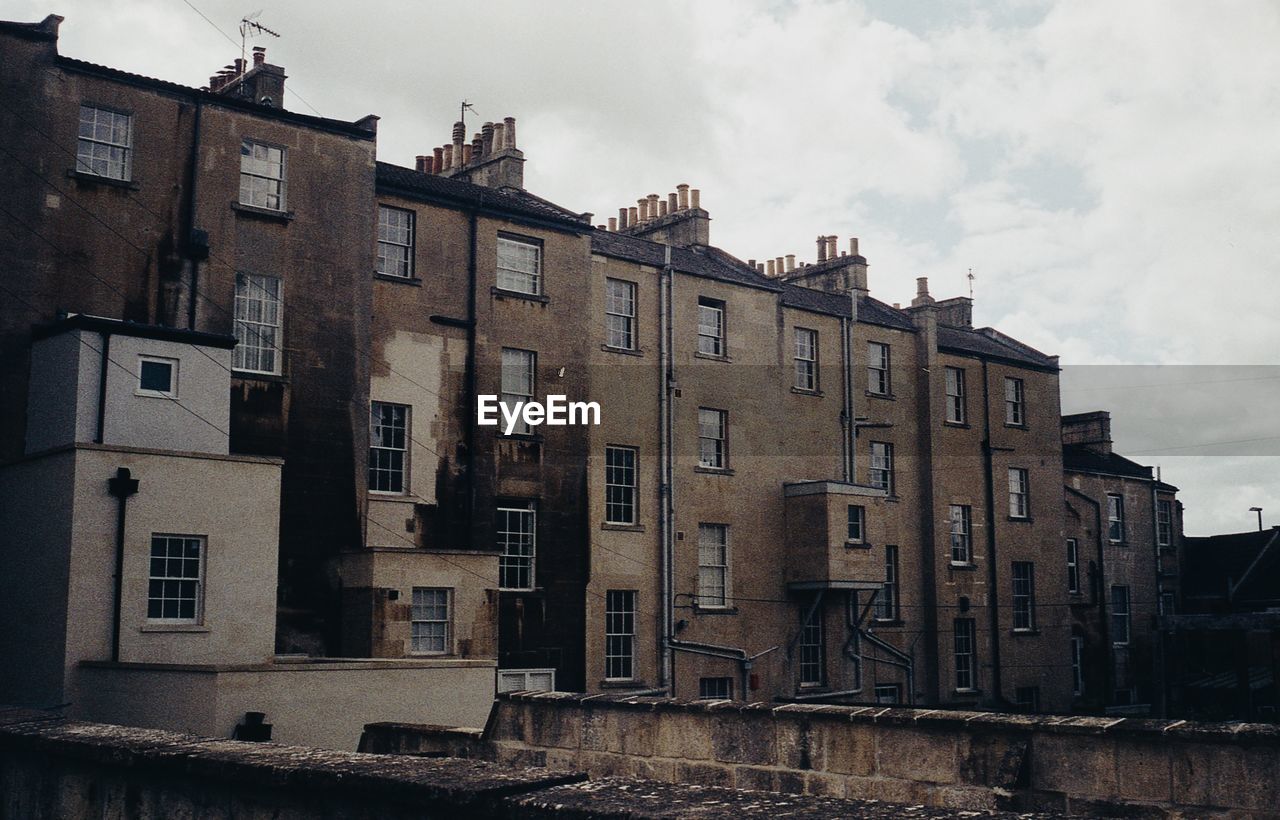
(157, 376)
(715, 688)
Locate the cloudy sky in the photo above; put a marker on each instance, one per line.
(1109, 171)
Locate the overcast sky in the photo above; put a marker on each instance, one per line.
(1109, 171)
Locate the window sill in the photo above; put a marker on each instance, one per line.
(967, 693)
(284, 217)
(387, 495)
(622, 683)
(1111, 543)
(501, 293)
(1021, 519)
(520, 590)
(1016, 426)
(403, 280)
(535, 438)
(857, 545)
(164, 627)
(95, 179)
(1025, 632)
(800, 391)
(702, 609)
(888, 621)
(886, 396)
(431, 654)
(963, 565)
(156, 394)
(622, 527)
(959, 425)
(723, 357)
(262, 377)
(713, 470)
(622, 351)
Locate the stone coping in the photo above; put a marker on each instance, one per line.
(1235, 733)
(298, 665)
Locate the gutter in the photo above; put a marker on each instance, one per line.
(666, 493)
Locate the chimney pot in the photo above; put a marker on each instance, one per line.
(448, 157)
(613, 223)
(853, 246)
(662, 207)
(694, 198)
(760, 268)
(682, 193)
(752, 263)
(511, 131)
(778, 267)
(922, 286)
(459, 132)
(499, 136)
(486, 133)
(642, 209)
(239, 65)
(822, 249)
(477, 146)
(420, 163)
(673, 203)
(770, 265)
(466, 154)
(622, 218)
(259, 55)
(633, 215)
(439, 164)
(791, 262)
(831, 246)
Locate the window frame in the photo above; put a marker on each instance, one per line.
(965, 647)
(281, 182)
(620, 634)
(717, 338)
(881, 477)
(243, 325)
(806, 368)
(612, 311)
(957, 411)
(811, 654)
(707, 598)
(1077, 665)
(408, 246)
(1121, 616)
(1027, 699)
(505, 276)
(1020, 494)
(126, 149)
(879, 372)
(631, 489)
(893, 690)
(509, 561)
(529, 375)
(197, 598)
(1164, 523)
(963, 536)
(1023, 600)
(1073, 566)
(1115, 519)
(172, 363)
(376, 447)
(719, 443)
(446, 639)
(721, 693)
(888, 604)
(860, 520)
(1015, 406)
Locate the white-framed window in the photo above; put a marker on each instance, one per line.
(1015, 408)
(157, 376)
(813, 660)
(1120, 615)
(518, 380)
(105, 144)
(517, 540)
(956, 409)
(620, 314)
(888, 694)
(257, 324)
(1115, 518)
(1073, 565)
(806, 359)
(1019, 494)
(430, 621)
(1077, 665)
(713, 565)
(887, 608)
(713, 442)
(1024, 596)
(1027, 699)
(395, 242)
(175, 583)
(620, 485)
(710, 326)
(961, 518)
(966, 678)
(520, 265)
(1164, 523)
(619, 634)
(388, 447)
(857, 532)
(526, 680)
(715, 688)
(881, 470)
(878, 381)
(262, 175)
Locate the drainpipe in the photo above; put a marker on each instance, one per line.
(666, 493)
(102, 388)
(993, 590)
(122, 486)
(194, 254)
(469, 400)
(846, 413)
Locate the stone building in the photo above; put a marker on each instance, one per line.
(1123, 539)
(795, 491)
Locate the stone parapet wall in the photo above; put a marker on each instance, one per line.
(965, 760)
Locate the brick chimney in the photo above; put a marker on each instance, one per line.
(677, 220)
(261, 82)
(1092, 430)
(490, 158)
(831, 273)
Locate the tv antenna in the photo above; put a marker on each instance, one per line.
(250, 27)
(462, 113)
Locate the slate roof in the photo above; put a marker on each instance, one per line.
(505, 201)
(1208, 563)
(709, 263)
(1080, 458)
(992, 344)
